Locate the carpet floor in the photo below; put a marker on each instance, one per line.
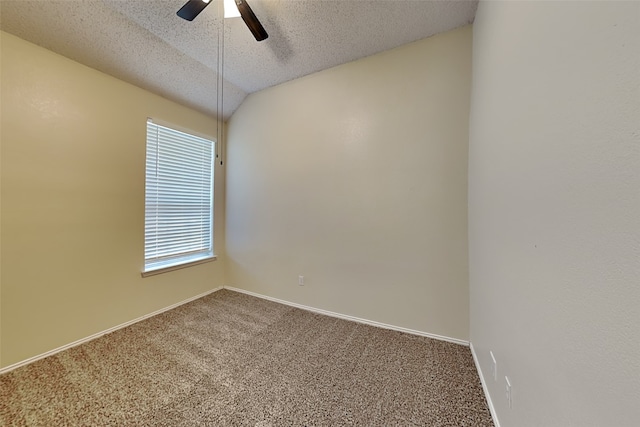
(229, 359)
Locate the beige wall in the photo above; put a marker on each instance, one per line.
(72, 214)
(554, 209)
(356, 178)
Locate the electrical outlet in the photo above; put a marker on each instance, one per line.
(494, 367)
(509, 392)
(301, 280)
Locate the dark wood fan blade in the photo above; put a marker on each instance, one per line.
(251, 20)
(192, 8)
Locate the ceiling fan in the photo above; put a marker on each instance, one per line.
(192, 8)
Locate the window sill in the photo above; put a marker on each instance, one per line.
(177, 267)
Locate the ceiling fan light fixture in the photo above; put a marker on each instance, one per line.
(192, 8)
(230, 9)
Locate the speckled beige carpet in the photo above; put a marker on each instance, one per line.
(229, 359)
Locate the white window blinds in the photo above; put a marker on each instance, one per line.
(178, 198)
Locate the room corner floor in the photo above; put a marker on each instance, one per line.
(230, 359)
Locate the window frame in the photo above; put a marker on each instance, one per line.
(153, 265)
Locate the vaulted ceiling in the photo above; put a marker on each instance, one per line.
(145, 43)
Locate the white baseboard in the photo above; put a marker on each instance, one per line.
(292, 304)
(351, 318)
(492, 409)
(101, 333)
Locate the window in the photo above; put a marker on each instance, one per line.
(178, 217)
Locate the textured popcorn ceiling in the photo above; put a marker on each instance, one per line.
(143, 41)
